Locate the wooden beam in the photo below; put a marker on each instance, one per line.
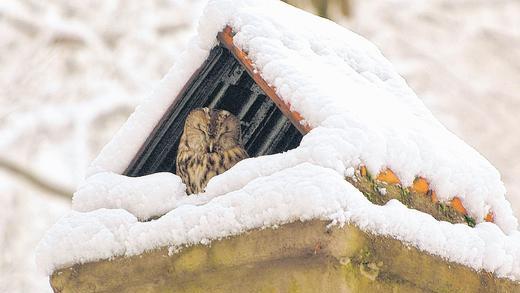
(226, 39)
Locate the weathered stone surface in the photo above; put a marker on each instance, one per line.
(371, 187)
(297, 257)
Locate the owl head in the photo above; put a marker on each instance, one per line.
(212, 130)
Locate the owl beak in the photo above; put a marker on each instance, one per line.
(210, 147)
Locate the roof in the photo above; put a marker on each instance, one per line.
(339, 82)
(361, 112)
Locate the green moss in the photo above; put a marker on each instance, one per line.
(294, 286)
(191, 259)
(283, 260)
(372, 188)
(470, 221)
(406, 197)
(442, 208)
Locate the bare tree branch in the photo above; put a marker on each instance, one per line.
(35, 180)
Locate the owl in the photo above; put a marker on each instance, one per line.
(210, 144)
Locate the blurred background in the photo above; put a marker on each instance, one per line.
(71, 72)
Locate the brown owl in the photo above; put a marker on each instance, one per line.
(210, 144)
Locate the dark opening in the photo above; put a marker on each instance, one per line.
(222, 83)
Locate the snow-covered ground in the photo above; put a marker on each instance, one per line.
(71, 72)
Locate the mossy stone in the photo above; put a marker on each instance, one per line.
(296, 257)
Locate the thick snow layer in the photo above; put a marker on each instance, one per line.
(144, 197)
(298, 193)
(361, 111)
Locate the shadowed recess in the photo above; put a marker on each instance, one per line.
(222, 83)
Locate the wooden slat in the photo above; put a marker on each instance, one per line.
(136, 166)
(221, 82)
(226, 38)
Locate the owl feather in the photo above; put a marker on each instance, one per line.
(210, 145)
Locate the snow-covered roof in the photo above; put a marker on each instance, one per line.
(360, 111)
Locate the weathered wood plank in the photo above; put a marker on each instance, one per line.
(226, 38)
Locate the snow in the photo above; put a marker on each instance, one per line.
(26, 216)
(299, 193)
(463, 59)
(144, 197)
(144, 119)
(362, 112)
(346, 90)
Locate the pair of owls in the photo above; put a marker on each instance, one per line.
(210, 144)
